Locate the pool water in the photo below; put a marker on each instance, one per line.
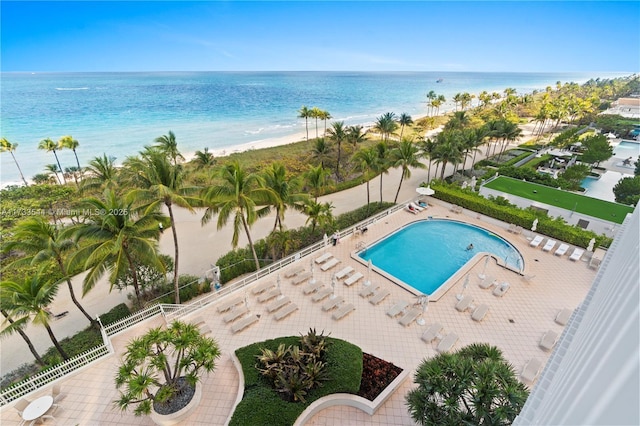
(626, 149)
(426, 254)
(602, 188)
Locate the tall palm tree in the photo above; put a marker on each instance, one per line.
(447, 149)
(44, 242)
(337, 134)
(321, 151)
(50, 146)
(116, 234)
(318, 214)
(457, 98)
(102, 173)
(6, 146)
(169, 146)
(70, 143)
(428, 147)
(325, 116)
(316, 113)
(510, 132)
(404, 120)
(239, 196)
(365, 162)
(17, 327)
(29, 300)
(316, 178)
(284, 191)
(355, 135)
(441, 99)
(383, 162)
(305, 113)
(406, 156)
(431, 96)
(204, 158)
(386, 124)
(53, 168)
(161, 182)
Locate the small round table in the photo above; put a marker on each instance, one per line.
(37, 408)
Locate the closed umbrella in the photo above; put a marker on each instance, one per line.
(424, 303)
(465, 285)
(483, 275)
(333, 286)
(368, 282)
(325, 240)
(535, 224)
(313, 278)
(592, 243)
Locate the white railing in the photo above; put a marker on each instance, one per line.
(133, 319)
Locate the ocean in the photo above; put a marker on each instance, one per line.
(119, 113)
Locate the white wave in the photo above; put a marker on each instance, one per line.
(72, 88)
(254, 132)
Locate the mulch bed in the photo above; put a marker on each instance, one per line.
(377, 374)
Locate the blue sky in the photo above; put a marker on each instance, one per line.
(287, 36)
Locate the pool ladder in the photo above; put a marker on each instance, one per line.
(361, 246)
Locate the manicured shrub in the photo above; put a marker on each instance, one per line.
(115, 314)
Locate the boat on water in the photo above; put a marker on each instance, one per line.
(440, 80)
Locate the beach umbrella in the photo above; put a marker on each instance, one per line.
(535, 224)
(368, 282)
(592, 242)
(425, 190)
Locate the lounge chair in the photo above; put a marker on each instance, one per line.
(321, 294)
(480, 312)
(518, 230)
(197, 321)
(204, 330)
(531, 370)
(312, 287)
(244, 323)
(457, 209)
(562, 249)
(563, 316)
(488, 282)
(511, 228)
(277, 304)
(397, 309)
(269, 295)
(549, 245)
(410, 316)
(299, 279)
(447, 342)
(577, 254)
(332, 303)
(411, 209)
(353, 279)
(536, 241)
(330, 264)
(344, 272)
(262, 287)
(464, 303)
(295, 271)
(343, 311)
(368, 291)
(431, 332)
(379, 296)
(417, 207)
(501, 289)
(225, 306)
(235, 313)
(323, 258)
(286, 311)
(594, 263)
(548, 340)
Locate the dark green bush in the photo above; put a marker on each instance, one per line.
(115, 314)
(190, 287)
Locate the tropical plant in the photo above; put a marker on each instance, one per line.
(321, 151)
(102, 173)
(168, 145)
(365, 162)
(385, 125)
(405, 156)
(29, 299)
(404, 120)
(325, 116)
(305, 113)
(474, 385)
(10, 327)
(284, 192)
(383, 163)
(627, 190)
(69, 142)
(239, 195)
(318, 214)
(447, 149)
(6, 146)
(204, 158)
(337, 134)
(43, 242)
(355, 135)
(163, 365)
(53, 169)
(316, 178)
(596, 149)
(50, 146)
(316, 113)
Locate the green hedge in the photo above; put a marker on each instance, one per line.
(192, 288)
(261, 405)
(555, 228)
(115, 314)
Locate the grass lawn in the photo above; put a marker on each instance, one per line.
(601, 209)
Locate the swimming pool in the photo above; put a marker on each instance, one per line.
(426, 254)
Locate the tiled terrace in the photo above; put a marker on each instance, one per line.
(514, 323)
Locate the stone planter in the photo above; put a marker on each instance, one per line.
(180, 415)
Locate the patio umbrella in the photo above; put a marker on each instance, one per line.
(325, 240)
(592, 242)
(465, 285)
(425, 190)
(278, 282)
(368, 282)
(424, 303)
(535, 224)
(483, 275)
(333, 286)
(313, 278)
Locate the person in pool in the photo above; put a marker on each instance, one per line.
(470, 247)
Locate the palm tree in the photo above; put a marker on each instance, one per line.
(431, 96)
(43, 242)
(305, 113)
(447, 149)
(29, 299)
(102, 173)
(6, 146)
(355, 135)
(382, 164)
(70, 143)
(115, 236)
(324, 116)
(316, 113)
(406, 156)
(321, 150)
(337, 134)
(404, 120)
(18, 327)
(385, 124)
(161, 182)
(204, 158)
(469, 144)
(169, 146)
(318, 214)
(465, 100)
(316, 178)
(457, 98)
(365, 162)
(239, 195)
(73, 172)
(50, 146)
(53, 168)
(275, 178)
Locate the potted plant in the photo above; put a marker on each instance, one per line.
(160, 371)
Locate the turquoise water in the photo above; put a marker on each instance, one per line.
(120, 113)
(625, 150)
(427, 253)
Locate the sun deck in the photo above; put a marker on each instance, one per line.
(514, 323)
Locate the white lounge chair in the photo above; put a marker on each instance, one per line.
(332, 303)
(511, 228)
(321, 294)
(518, 230)
(563, 316)
(244, 323)
(293, 272)
(286, 311)
(577, 254)
(368, 291)
(447, 342)
(501, 289)
(269, 295)
(330, 264)
(343, 311)
(531, 370)
(225, 306)
(344, 272)
(312, 287)
(431, 332)
(410, 316)
(323, 258)
(536, 241)
(277, 304)
(397, 309)
(488, 282)
(464, 303)
(262, 287)
(411, 209)
(353, 279)
(548, 340)
(562, 249)
(415, 206)
(235, 313)
(594, 263)
(549, 245)
(299, 279)
(480, 312)
(379, 296)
